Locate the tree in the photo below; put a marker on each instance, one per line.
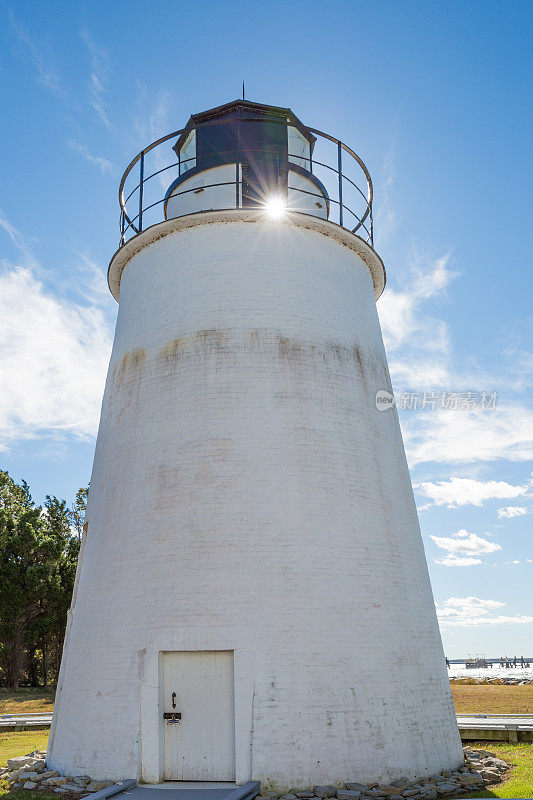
(38, 556)
(45, 635)
(14, 498)
(28, 570)
(77, 512)
(59, 598)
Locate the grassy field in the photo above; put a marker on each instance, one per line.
(501, 699)
(26, 701)
(497, 699)
(490, 698)
(18, 743)
(468, 699)
(519, 785)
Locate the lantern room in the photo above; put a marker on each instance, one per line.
(246, 155)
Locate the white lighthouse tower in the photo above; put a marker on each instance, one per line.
(252, 598)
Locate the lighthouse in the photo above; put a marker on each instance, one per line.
(252, 598)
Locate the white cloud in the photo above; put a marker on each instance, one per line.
(467, 491)
(102, 163)
(464, 542)
(47, 74)
(474, 611)
(53, 360)
(421, 359)
(460, 436)
(93, 285)
(520, 360)
(98, 78)
(473, 604)
(463, 549)
(422, 372)
(417, 343)
(399, 311)
(18, 239)
(452, 560)
(152, 121)
(385, 219)
(508, 512)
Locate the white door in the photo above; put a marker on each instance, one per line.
(199, 687)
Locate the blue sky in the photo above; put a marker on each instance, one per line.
(434, 96)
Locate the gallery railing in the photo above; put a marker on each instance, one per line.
(339, 172)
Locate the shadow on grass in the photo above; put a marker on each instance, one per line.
(26, 700)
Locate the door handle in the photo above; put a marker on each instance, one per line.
(173, 699)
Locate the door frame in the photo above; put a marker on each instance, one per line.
(164, 726)
(152, 732)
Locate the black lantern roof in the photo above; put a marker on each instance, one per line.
(245, 110)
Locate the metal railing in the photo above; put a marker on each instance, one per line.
(339, 172)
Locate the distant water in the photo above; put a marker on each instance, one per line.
(517, 673)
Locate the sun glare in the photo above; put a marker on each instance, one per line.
(275, 207)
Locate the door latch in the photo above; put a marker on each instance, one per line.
(172, 716)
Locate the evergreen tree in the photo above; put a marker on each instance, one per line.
(77, 512)
(38, 556)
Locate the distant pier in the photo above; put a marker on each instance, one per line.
(516, 662)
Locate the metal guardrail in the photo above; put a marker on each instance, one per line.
(496, 727)
(336, 166)
(25, 722)
(472, 727)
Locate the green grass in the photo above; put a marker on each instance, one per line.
(24, 794)
(519, 784)
(18, 743)
(26, 701)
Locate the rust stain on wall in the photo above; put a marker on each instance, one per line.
(292, 352)
(128, 366)
(172, 351)
(212, 340)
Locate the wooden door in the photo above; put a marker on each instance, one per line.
(199, 686)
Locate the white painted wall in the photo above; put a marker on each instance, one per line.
(247, 495)
(190, 196)
(305, 196)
